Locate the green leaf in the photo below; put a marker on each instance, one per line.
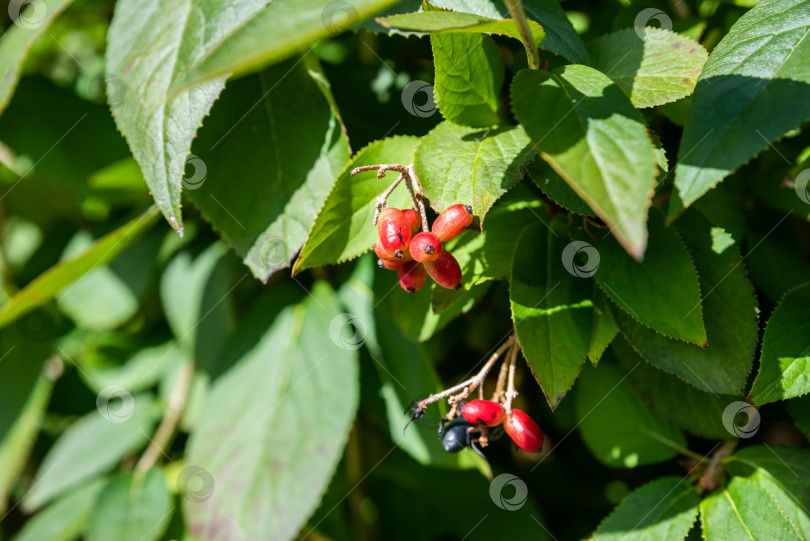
(784, 467)
(604, 327)
(448, 22)
(474, 167)
(488, 255)
(753, 90)
(730, 312)
(132, 507)
(744, 510)
(404, 368)
(94, 444)
(662, 292)
(618, 428)
(587, 129)
(799, 410)
(64, 519)
(151, 45)
(198, 307)
(551, 310)
(274, 33)
(782, 472)
(17, 442)
(660, 68)
(107, 296)
(286, 150)
(784, 364)
(48, 284)
(469, 76)
(277, 446)
(561, 38)
(32, 21)
(698, 412)
(141, 371)
(663, 509)
(554, 186)
(343, 229)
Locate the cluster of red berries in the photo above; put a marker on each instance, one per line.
(521, 428)
(417, 254)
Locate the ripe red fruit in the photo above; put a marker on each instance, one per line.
(445, 270)
(390, 265)
(394, 230)
(483, 411)
(412, 276)
(452, 221)
(425, 247)
(413, 220)
(524, 431)
(385, 255)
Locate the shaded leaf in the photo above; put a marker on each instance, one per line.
(286, 151)
(94, 444)
(48, 284)
(343, 229)
(469, 166)
(551, 310)
(784, 363)
(132, 507)
(730, 312)
(618, 428)
(663, 509)
(31, 22)
(662, 67)
(65, 518)
(587, 129)
(604, 327)
(441, 22)
(276, 447)
(753, 89)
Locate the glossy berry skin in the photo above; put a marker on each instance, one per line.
(445, 271)
(452, 222)
(483, 411)
(455, 435)
(385, 255)
(412, 276)
(394, 230)
(413, 220)
(524, 431)
(390, 265)
(425, 247)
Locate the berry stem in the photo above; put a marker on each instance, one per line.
(380, 204)
(498, 395)
(459, 392)
(420, 197)
(511, 393)
(406, 172)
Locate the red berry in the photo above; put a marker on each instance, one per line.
(524, 431)
(413, 220)
(390, 265)
(425, 247)
(445, 271)
(385, 255)
(394, 230)
(412, 276)
(483, 411)
(452, 222)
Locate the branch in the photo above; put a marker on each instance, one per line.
(515, 9)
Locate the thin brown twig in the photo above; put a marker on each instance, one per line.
(457, 393)
(420, 197)
(498, 395)
(511, 393)
(407, 173)
(380, 204)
